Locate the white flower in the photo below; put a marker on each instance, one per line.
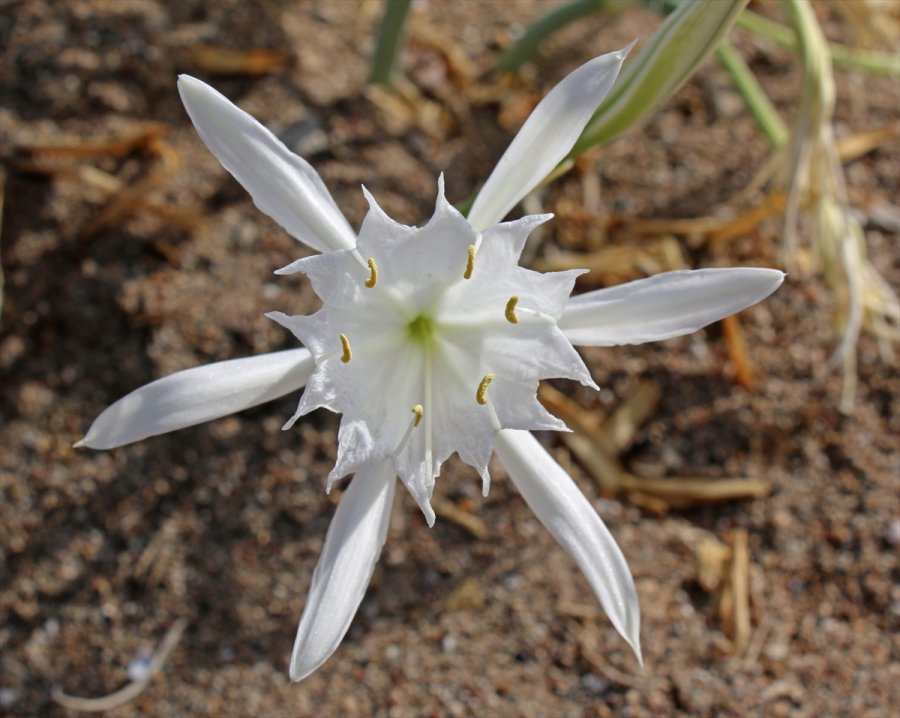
(430, 341)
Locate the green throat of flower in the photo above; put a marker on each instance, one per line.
(421, 330)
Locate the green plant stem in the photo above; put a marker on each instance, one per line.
(757, 100)
(874, 63)
(525, 47)
(465, 205)
(389, 34)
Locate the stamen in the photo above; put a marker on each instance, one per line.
(470, 264)
(511, 310)
(481, 394)
(542, 316)
(345, 343)
(419, 412)
(373, 274)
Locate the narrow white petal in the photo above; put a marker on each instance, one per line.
(545, 138)
(570, 518)
(200, 394)
(663, 306)
(282, 185)
(348, 559)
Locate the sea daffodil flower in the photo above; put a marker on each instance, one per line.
(431, 340)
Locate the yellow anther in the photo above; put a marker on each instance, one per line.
(419, 411)
(470, 264)
(345, 343)
(481, 394)
(373, 274)
(511, 310)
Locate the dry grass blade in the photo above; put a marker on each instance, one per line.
(593, 657)
(155, 561)
(757, 641)
(142, 137)
(132, 690)
(459, 67)
(737, 351)
(740, 584)
(583, 611)
(596, 444)
(462, 518)
(852, 147)
(648, 503)
(619, 263)
(634, 410)
(724, 571)
(570, 412)
(224, 61)
(713, 559)
(690, 226)
(714, 229)
(56, 160)
(718, 230)
(588, 442)
(604, 469)
(125, 202)
(467, 596)
(403, 107)
(873, 23)
(130, 197)
(772, 204)
(684, 492)
(86, 174)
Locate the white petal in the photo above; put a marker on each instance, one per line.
(282, 185)
(570, 518)
(545, 138)
(348, 559)
(666, 305)
(200, 394)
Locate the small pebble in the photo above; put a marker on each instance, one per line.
(892, 532)
(595, 684)
(140, 664)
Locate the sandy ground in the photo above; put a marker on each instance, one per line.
(101, 553)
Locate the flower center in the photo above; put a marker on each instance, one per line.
(421, 330)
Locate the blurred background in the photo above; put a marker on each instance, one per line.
(749, 473)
